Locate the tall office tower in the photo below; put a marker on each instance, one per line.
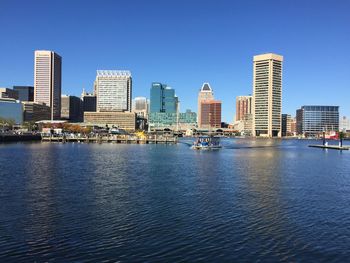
(163, 98)
(243, 107)
(313, 120)
(113, 90)
(25, 93)
(47, 81)
(210, 114)
(205, 94)
(267, 95)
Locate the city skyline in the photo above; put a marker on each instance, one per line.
(208, 45)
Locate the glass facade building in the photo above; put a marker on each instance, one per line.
(11, 109)
(25, 93)
(164, 110)
(163, 98)
(313, 120)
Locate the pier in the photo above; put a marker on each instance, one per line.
(112, 139)
(333, 147)
(19, 137)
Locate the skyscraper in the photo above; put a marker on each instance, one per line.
(205, 94)
(267, 95)
(164, 106)
(210, 114)
(163, 98)
(243, 107)
(47, 80)
(113, 90)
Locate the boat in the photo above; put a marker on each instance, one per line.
(207, 143)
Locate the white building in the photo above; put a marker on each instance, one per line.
(47, 81)
(113, 90)
(344, 124)
(267, 95)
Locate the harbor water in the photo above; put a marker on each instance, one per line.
(252, 200)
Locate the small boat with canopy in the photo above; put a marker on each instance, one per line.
(207, 143)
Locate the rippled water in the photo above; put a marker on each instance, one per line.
(253, 200)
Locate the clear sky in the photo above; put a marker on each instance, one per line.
(184, 43)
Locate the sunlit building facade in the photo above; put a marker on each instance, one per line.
(47, 81)
(243, 107)
(267, 95)
(313, 120)
(205, 94)
(113, 90)
(210, 114)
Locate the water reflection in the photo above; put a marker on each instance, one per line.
(267, 199)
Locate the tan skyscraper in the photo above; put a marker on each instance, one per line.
(243, 106)
(47, 81)
(267, 95)
(205, 94)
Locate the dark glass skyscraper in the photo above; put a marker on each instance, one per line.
(25, 93)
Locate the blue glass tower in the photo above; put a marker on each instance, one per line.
(163, 106)
(163, 98)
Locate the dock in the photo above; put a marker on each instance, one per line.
(19, 137)
(111, 139)
(333, 147)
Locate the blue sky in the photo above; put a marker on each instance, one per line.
(185, 43)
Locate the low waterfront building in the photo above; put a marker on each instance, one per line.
(71, 108)
(173, 121)
(25, 93)
(245, 125)
(6, 93)
(122, 120)
(33, 112)
(11, 110)
(313, 120)
(344, 124)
